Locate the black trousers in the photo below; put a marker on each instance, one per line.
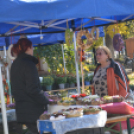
(32, 127)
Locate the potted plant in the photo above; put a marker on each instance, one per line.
(61, 80)
(72, 80)
(87, 80)
(48, 82)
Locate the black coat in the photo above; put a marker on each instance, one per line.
(25, 85)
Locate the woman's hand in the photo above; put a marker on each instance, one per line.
(52, 102)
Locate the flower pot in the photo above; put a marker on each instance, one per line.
(87, 82)
(72, 85)
(49, 87)
(62, 86)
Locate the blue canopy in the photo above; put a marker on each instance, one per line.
(2, 41)
(49, 16)
(45, 39)
(55, 26)
(30, 10)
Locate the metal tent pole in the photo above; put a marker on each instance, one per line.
(109, 20)
(7, 71)
(76, 65)
(63, 59)
(4, 48)
(3, 106)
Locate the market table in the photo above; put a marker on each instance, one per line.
(117, 120)
(69, 124)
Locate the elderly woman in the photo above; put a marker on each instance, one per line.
(29, 98)
(110, 78)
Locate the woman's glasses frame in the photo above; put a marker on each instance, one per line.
(100, 54)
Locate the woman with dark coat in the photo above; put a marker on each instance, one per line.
(29, 98)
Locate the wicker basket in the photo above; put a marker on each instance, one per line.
(86, 103)
(89, 112)
(74, 115)
(96, 102)
(108, 101)
(118, 99)
(65, 104)
(53, 103)
(78, 102)
(72, 103)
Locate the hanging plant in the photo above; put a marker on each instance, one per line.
(117, 28)
(89, 39)
(69, 58)
(96, 43)
(95, 29)
(69, 36)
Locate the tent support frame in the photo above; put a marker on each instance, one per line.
(3, 106)
(63, 58)
(128, 17)
(85, 24)
(109, 20)
(53, 24)
(12, 29)
(76, 65)
(18, 30)
(23, 24)
(56, 27)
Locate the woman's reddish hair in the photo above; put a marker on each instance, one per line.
(21, 46)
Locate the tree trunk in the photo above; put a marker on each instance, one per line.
(109, 43)
(95, 61)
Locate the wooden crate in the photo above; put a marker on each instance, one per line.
(130, 47)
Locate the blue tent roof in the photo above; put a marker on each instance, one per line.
(47, 39)
(2, 41)
(30, 10)
(29, 16)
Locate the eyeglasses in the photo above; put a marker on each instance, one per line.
(98, 54)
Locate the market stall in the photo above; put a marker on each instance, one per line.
(63, 10)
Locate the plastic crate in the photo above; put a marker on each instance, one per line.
(45, 126)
